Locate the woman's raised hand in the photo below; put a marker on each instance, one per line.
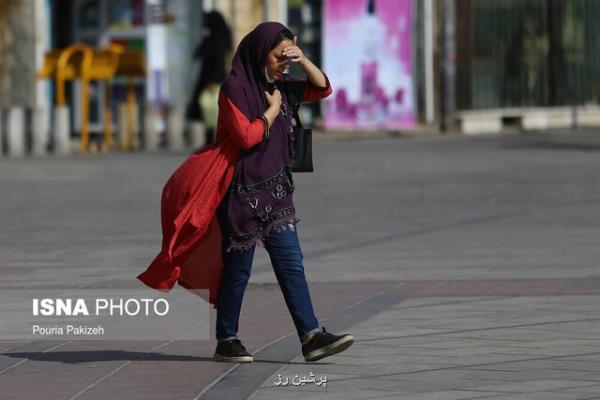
(313, 73)
(274, 99)
(294, 53)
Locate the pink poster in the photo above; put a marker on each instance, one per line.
(367, 56)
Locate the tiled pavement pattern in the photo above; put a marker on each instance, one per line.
(149, 370)
(465, 267)
(493, 347)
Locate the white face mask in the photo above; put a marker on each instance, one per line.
(268, 77)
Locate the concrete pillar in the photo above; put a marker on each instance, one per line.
(197, 134)
(128, 129)
(62, 130)
(449, 65)
(40, 131)
(122, 140)
(135, 126)
(151, 140)
(175, 123)
(428, 27)
(16, 131)
(1, 132)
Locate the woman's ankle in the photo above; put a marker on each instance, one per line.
(307, 337)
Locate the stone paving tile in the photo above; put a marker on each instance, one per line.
(528, 374)
(537, 370)
(296, 393)
(61, 373)
(537, 386)
(66, 370)
(591, 389)
(439, 366)
(544, 396)
(7, 345)
(448, 395)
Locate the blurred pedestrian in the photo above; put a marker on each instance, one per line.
(212, 52)
(229, 197)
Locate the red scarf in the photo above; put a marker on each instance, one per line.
(191, 245)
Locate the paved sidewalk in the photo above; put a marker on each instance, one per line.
(465, 268)
(450, 348)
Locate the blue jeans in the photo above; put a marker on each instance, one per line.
(286, 257)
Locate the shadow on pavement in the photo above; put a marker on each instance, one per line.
(76, 357)
(288, 362)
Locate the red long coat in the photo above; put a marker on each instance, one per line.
(191, 245)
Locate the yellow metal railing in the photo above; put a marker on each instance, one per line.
(80, 61)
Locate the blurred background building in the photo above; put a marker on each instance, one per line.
(471, 65)
(532, 64)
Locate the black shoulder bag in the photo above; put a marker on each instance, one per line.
(302, 139)
(303, 146)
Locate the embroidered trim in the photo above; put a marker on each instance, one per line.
(258, 236)
(270, 220)
(255, 187)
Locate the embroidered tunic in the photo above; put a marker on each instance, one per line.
(252, 207)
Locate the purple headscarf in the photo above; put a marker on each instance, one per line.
(246, 83)
(260, 196)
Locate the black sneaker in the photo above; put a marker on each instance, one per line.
(324, 344)
(232, 351)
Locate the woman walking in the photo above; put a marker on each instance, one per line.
(245, 196)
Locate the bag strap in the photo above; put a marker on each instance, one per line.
(293, 101)
(297, 117)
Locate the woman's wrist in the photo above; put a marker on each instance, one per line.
(269, 117)
(271, 113)
(267, 133)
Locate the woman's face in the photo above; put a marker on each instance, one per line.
(276, 62)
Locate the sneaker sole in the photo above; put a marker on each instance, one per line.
(239, 359)
(331, 349)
